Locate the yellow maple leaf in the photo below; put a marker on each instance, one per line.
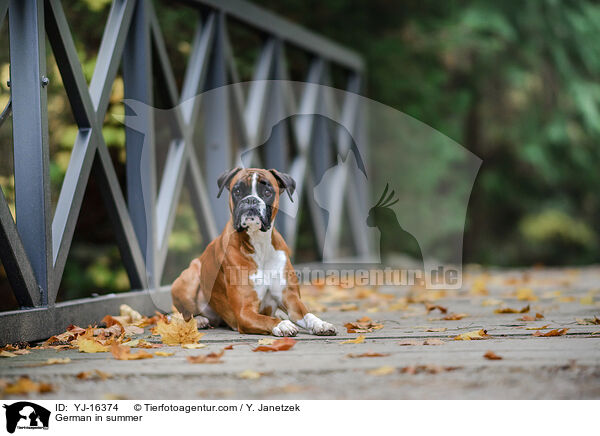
(177, 331)
(358, 340)
(90, 345)
(475, 334)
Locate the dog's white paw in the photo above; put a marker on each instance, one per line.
(285, 328)
(324, 329)
(202, 322)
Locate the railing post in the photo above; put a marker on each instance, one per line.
(140, 146)
(30, 136)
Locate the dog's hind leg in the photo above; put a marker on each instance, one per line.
(185, 290)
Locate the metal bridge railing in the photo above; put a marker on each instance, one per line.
(34, 247)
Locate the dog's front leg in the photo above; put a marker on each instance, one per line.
(246, 305)
(298, 313)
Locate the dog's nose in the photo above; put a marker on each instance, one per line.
(250, 201)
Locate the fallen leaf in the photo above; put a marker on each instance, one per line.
(429, 369)
(454, 316)
(163, 353)
(178, 331)
(363, 325)
(429, 307)
(555, 332)
(531, 317)
(278, 345)
(479, 287)
(491, 302)
(90, 345)
(475, 334)
(133, 315)
(511, 310)
(87, 375)
(382, 370)
(433, 341)
(347, 307)
(266, 341)
(588, 321)
(410, 342)
(195, 346)
(537, 328)
(358, 340)
(120, 352)
(367, 354)
(57, 361)
(131, 330)
(490, 355)
(249, 374)
(7, 354)
(436, 329)
(24, 385)
(207, 358)
(588, 300)
(526, 294)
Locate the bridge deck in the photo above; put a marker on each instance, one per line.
(318, 367)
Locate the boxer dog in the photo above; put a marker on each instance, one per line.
(245, 274)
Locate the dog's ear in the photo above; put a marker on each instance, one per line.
(285, 182)
(225, 179)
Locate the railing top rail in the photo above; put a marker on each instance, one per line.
(286, 30)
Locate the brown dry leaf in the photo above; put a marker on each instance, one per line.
(178, 331)
(526, 294)
(433, 341)
(207, 358)
(249, 374)
(511, 310)
(65, 338)
(537, 328)
(266, 341)
(454, 316)
(555, 332)
(429, 369)
(358, 340)
(429, 307)
(410, 342)
(436, 329)
(588, 321)
(121, 352)
(163, 353)
(363, 325)
(382, 370)
(367, 354)
(24, 385)
(279, 345)
(95, 374)
(531, 317)
(490, 355)
(474, 335)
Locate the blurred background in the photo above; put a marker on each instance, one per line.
(516, 83)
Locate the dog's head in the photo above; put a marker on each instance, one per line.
(254, 196)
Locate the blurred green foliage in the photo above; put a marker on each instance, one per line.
(517, 83)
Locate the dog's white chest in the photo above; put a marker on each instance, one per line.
(269, 280)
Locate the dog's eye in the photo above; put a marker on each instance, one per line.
(268, 193)
(237, 191)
